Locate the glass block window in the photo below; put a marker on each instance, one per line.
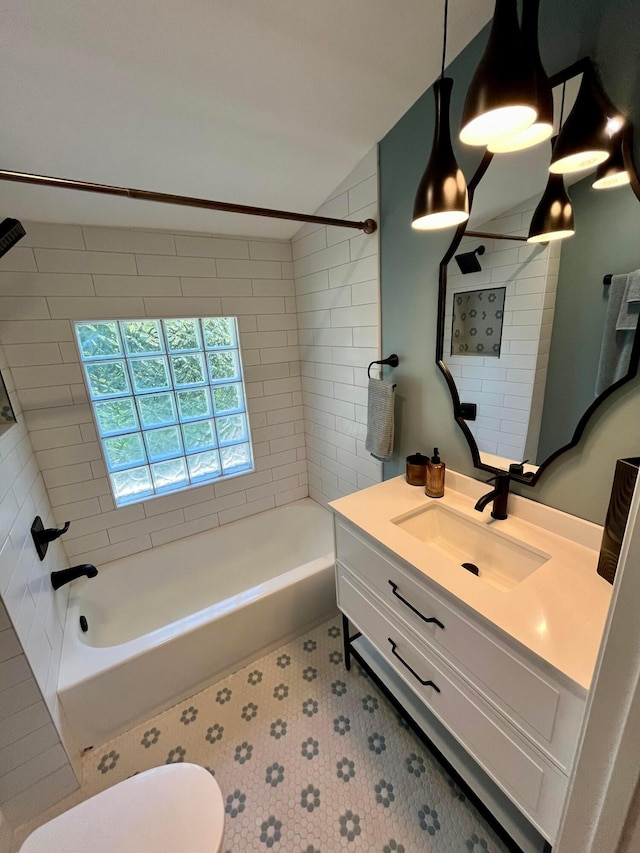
(169, 402)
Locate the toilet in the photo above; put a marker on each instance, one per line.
(167, 809)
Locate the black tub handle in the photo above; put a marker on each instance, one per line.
(394, 588)
(424, 683)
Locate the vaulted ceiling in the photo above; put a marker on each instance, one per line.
(263, 103)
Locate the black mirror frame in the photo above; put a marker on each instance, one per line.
(531, 478)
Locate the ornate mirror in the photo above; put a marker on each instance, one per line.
(533, 337)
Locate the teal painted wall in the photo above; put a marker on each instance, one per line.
(579, 482)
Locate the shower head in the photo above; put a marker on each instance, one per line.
(468, 262)
(10, 232)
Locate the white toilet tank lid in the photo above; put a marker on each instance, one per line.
(176, 807)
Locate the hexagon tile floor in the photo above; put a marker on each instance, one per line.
(310, 759)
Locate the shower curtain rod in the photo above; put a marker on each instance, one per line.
(369, 226)
(489, 236)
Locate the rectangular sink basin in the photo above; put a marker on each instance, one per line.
(501, 560)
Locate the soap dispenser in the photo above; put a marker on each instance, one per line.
(434, 481)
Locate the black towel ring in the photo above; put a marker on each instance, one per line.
(392, 361)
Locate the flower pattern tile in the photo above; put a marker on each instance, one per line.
(150, 737)
(310, 758)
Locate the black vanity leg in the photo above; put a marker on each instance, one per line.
(345, 642)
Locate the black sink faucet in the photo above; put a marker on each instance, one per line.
(499, 496)
(64, 576)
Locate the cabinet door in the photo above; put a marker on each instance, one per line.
(547, 711)
(532, 782)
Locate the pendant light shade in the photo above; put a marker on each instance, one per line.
(542, 127)
(501, 99)
(583, 141)
(613, 172)
(553, 217)
(441, 199)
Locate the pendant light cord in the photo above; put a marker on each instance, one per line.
(564, 86)
(444, 39)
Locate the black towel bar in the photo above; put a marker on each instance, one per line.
(392, 361)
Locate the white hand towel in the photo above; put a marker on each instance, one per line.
(380, 425)
(630, 308)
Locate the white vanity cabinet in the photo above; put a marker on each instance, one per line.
(513, 714)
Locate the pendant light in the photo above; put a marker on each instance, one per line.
(441, 200)
(542, 128)
(501, 99)
(583, 140)
(553, 217)
(613, 172)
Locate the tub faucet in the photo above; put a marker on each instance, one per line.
(499, 496)
(64, 576)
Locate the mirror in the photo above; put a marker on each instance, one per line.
(533, 337)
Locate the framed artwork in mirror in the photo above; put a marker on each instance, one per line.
(569, 316)
(7, 416)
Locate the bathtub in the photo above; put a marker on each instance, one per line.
(169, 621)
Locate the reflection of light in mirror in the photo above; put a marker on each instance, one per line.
(614, 124)
(614, 179)
(550, 236)
(553, 217)
(533, 135)
(613, 172)
(496, 124)
(578, 162)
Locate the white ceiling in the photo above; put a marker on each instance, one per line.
(263, 103)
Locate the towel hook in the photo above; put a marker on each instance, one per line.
(392, 361)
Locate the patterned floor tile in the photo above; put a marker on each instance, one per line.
(310, 759)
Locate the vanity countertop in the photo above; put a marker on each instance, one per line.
(558, 612)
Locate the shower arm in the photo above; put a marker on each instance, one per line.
(369, 226)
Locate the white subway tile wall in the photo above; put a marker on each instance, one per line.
(34, 769)
(106, 273)
(512, 386)
(338, 297)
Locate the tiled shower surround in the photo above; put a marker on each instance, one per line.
(510, 389)
(67, 273)
(310, 758)
(34, 769)
(61, 273)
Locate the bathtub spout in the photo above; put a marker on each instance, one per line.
(64, 576)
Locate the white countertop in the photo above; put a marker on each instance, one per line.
(558, 612)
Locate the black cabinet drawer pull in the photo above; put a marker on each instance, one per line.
(394, 588)
(412, 671)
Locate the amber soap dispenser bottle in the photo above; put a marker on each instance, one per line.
(434, 481)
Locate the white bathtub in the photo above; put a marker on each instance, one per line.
(165, 623)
